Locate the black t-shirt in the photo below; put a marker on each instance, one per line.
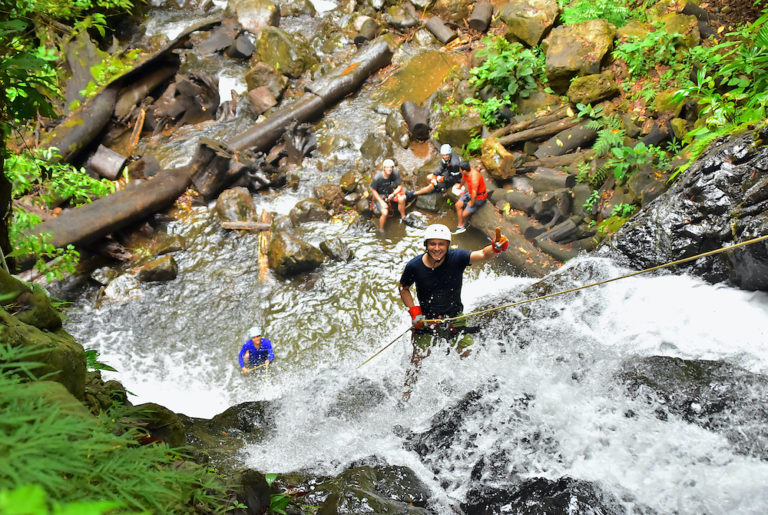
(450, 170)
(438, 290)
(386, 186)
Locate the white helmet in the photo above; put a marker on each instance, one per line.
(445, 149)
(254, 331)
(388, 162)
(437, 232)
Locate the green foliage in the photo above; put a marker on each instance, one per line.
(490, 110)
(92, 361)
(77, 458)
(592, 200)
(509, 68)
(731, 86)
(623, 210)
(609, 226)
(111, 66)
(643, 54)
(277, 502)
(627, 160)
(32, 500)
(615, 12)
(37, 175)
(474, 146)
(610, 134)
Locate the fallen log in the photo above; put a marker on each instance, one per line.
(368, 30)
(247, 226)
(416, 119)
(535, 121)
(549, 179)
(133, 93)
(105, 162)
(438, 29)
(78, 129)
(481, 15)
(561, 232)
(567, 140)
(556, 161)
(262, 135)
(101, 217)
(539, 132)
(342, 81)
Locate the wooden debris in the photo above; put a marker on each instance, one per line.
(246, 226)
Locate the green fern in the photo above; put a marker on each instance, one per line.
(610, 135)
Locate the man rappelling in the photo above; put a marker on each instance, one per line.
(438, 274)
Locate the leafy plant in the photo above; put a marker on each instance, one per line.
(623, 210)
(590, 203)
(77, 458)
(92, 361)
(578, 11)
(38, 176)
(643, 53)
(509, 68)
(626, 160)
(490, 110)
(474, 146)
(610, 134)
(277, 502)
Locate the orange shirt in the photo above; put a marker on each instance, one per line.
(475, 184)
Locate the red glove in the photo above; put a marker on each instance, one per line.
(499, 243)
(440, 178)
(416, 317)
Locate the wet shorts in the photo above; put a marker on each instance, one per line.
(452, 333)
(465, 198)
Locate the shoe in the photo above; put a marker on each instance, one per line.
(460, 229)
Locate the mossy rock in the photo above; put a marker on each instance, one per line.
(287, 53)
(162, 423)
(62, 359)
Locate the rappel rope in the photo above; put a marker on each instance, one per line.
(571, 290)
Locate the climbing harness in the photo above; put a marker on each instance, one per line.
(598, 283)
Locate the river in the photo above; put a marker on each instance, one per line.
(176, 344)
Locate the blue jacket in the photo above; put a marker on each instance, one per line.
(256, 356)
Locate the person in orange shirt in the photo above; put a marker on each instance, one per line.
(474, 195)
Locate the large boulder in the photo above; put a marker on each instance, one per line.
(288, 255)
(62, 359)
(285, 52)
(528, 21)
(576, 49)
(712, 394)
(309, 210)
(459, 130)
(593, 88)
(255, 15)
(721, 200)
(265, 75)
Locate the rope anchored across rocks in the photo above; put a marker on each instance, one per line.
(571, 290)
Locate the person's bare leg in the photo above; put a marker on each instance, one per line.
(401, 206)
(383, 218)
(412, 374)
(429, 188)
(460, 213)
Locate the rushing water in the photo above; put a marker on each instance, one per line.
(176, 344)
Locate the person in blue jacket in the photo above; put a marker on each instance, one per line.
(256, 351)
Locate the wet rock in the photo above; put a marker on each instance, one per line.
(646, 185)
(63, 359)
(261, 99)
(528, 20)
(285, 52)
(253, 491)
(191, 99)
(254, 15)
(458, 131)
(263, 74)
(397, 129)
(255, 417)
(308, 210)
(712, 394)
(359, 395)
(540, 495)
(401, 18)
(375, 148)
(452, 10)
(593, 88)
(576, 49)
(704, 210)
(374, 489)
(161, 269)
(336, 249)
(288, 255)
(162, 424)
(297, 8)
(349, 181)
(235, 204)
